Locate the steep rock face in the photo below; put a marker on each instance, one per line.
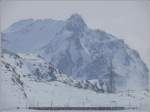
(93, 54)
(83, 53)
(75, 23)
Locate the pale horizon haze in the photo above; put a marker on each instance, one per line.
(127, 20)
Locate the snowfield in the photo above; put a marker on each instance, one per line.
(58, 94)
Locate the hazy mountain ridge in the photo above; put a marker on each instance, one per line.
(27, 31)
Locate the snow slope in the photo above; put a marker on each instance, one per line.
(20, 87)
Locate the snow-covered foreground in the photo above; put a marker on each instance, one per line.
(58, 94)
(20, 88)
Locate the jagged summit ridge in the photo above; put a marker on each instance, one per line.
(75, 23)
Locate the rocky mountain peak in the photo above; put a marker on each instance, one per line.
(75, 23)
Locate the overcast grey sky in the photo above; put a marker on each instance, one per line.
(128, 20)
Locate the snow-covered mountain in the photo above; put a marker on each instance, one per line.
(30, 31)
(80, 52)
(37, 69)
(27, 80)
